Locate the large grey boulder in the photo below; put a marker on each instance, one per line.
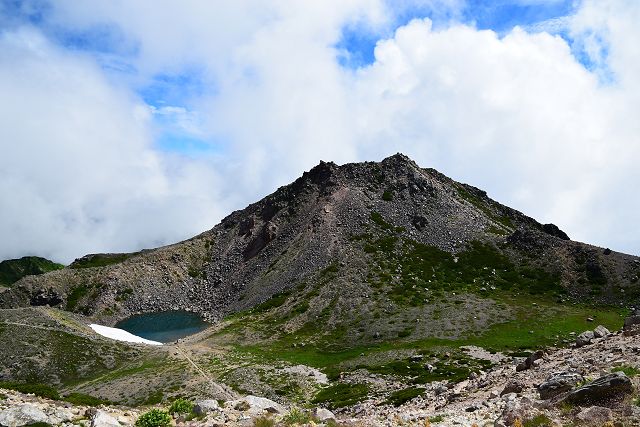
(584, 338)
(558, 383)
(601, 332)
(521, 409)
(103, 419)
(205, 406)
(256, 405)
(322, 414)
(606, 388)
(22, 415)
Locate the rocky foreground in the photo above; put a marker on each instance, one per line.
(592, 383)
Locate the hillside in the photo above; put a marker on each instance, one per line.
(395, 223)
(355, 282)
(12, 270)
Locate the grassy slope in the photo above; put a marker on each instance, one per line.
(13, 270)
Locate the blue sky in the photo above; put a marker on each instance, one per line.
(169, 115)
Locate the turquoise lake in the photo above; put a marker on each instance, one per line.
(165, 326)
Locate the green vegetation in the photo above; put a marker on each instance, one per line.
(264, 421)
(84, 399)
(39, 424)
(484, 207)
(42, 390)
(76, 295)
(379, 220)
(426, 269)
(538, 421)
(181, 406)
(454, 369)
(387, 196)
(400, 397)
(341, 394)
(154, 418)
(12, 270)
(275, 301)
(436, 419)
(629, 371)
(296, 417)
(100, 260)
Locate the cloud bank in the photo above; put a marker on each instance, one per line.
(546, 123)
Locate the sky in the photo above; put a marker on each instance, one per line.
(129, 124)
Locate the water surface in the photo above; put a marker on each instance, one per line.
(164, 326)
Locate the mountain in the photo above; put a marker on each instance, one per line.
(12, 270)
(382, 227)
(350, 271)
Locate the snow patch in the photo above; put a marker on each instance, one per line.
(120, 335)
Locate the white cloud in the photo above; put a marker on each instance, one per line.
(78, 173)
(516, 115)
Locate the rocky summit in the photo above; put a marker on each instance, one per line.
(362, 294)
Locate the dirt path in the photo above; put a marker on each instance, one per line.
(217, 388)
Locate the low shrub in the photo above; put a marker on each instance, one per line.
(181, 406)
(264, 422)
(296, 417)
(154, 418)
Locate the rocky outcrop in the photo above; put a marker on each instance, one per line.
(606, 389)
(22, 415)
(558, 383)
(584, 338)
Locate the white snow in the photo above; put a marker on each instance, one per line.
(120, 335)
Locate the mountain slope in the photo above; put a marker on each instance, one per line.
(367, 272)
(362, 219)
(12, 270)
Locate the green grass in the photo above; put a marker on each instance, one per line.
(84, 399)
(297, 417)
(342, 394)
(387, 196)
(629, 371)
(101, 260)
(400, 397)
(484, 207)
(12, 270)
(264, 421)
(538, 421)
(436, 419)
(75, 296)
(42, 390)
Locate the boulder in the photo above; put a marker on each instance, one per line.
(528, 362)
(103, 419)
(584, 338)
(257, 405)
(205, 406)
(517, 409)
(22, 415)
(594, 416)
(512, 387)
(558, 383)
(322, 414)
(607, 388)
(601, 332)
